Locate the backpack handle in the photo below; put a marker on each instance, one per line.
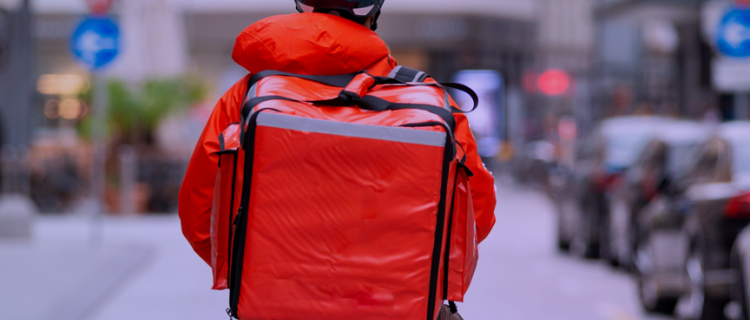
(465, 89)
(358, 87)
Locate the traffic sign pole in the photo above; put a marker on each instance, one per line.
(733, 43)
(95, 43)
(99, 154)
(741, 106)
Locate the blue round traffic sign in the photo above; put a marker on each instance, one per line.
(95, 42)
(733, 34)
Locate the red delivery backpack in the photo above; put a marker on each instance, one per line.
(343, 197)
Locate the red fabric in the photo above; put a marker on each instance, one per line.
(308, 43)
(365, 255)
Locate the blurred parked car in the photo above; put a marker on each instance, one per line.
(602, 157)
(532, 168)
(666, 156)
(687, 231)
(740, 264)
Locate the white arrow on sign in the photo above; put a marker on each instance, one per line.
(91, 43)
(735, 33)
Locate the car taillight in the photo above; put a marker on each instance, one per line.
(604, 182)
(739, 206)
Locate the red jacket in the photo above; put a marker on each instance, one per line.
(310, 43)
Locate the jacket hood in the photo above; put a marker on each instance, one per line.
(308, 43)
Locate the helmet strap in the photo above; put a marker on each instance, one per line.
(374, 24)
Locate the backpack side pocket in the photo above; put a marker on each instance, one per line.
(463, 242)
(222, 210)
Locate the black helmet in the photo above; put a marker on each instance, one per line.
(356, 10)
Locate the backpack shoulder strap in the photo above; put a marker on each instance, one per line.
(406, 74)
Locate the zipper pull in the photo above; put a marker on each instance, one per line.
(237, 219)
(229, 313)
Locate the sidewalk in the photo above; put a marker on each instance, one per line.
(143, 269)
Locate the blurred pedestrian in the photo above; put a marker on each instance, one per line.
(314, 44)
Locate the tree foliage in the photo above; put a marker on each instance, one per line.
(135, 111)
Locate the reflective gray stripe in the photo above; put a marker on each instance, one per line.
(446, 99)
(419, 75)
(394, 72)
(397, 69)
(397, 134)
(252, 93)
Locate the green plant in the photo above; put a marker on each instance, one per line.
(134, 113)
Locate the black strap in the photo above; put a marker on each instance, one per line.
(334, 81)
(462, 162)
(403, 75)
(254, 102)
(247, 91)
(453, 307)
(221, 142)
(452, 135)
(378, 104)
(465, 89)
(248, 107)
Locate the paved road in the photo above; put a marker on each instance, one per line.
(520, 275)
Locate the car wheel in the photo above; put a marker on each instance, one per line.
(563, 241)
(563, 245)
(584, 243)
(648, 292)
(650, 299)
(633, 234)
(567, 224)
(739, 286)
(583, 247)
(607, 249)
(695, 304)
(620, 226)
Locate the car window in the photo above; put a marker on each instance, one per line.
(581, 147)
(679, 159)
(623, 150)
(740, 157)
(646, 154)
(589, 147)
(705, 168)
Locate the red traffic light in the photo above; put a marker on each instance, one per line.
(553, 82)
(99, 6)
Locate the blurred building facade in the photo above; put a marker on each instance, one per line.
(520, 39)
(438, 36)
(653, 56)
(622, 56)
(16, 72)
